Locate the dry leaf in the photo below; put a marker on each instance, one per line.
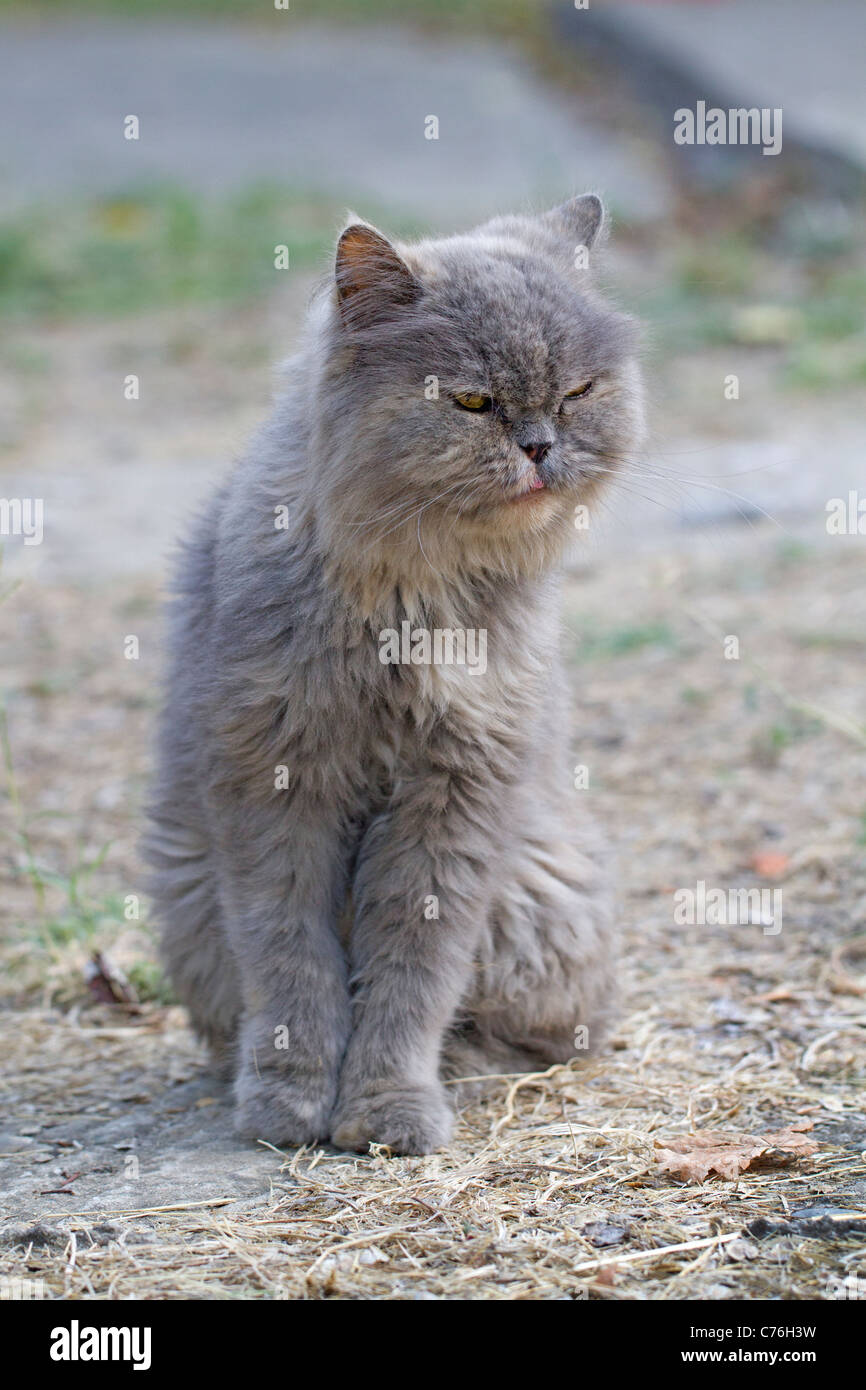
(601, 1233)
(106, 982)
(741, 1249)
(693, 1157)
(845, 984)
(782, 995)
(820, 1221)
(771, 864)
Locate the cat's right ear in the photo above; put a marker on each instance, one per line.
(372, 279)
(580, 219)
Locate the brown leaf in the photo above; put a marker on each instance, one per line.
(106, 982)
(601, 1233)
(841, 983)
(769, 864)
(727, 1153)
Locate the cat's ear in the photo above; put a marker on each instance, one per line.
(372, 279)
(581, 219)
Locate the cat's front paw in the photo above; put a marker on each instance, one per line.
(282, 1110)
(408, 1119)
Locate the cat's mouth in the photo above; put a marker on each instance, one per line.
(533, 487)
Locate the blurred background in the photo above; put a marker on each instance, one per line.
(259, 126)
(154, 258)
(256, 127)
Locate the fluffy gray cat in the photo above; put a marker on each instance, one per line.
(368, 862)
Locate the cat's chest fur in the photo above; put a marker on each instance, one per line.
(477, 671)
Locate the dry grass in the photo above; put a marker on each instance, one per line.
(544, 1167)
(699, 764)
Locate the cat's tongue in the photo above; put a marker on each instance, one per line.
(533, 485)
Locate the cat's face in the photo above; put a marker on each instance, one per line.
(477, 391)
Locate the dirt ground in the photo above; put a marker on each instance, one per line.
(119, 1171)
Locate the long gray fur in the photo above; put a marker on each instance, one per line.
(372, 876)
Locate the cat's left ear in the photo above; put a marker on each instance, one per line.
(372, 279)
(581, 219)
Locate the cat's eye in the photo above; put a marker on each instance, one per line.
(575, 395)
(473, 400)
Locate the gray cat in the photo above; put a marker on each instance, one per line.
(368, 863)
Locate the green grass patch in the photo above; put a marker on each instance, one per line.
(724, 269)
(150, 983)
(138, 251)
(770, 741)
(80, 921)
(484, 15)
(719, 293)
(601, 644)
(791, 551)
(698, 699)
(854, 642)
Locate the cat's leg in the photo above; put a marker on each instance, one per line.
(420, 891)
(282, 883)
(193, 944)
(544, 984)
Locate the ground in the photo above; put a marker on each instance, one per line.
(734, 763)
(120, 1171)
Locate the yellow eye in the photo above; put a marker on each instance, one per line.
(473, 400)
(578, 391)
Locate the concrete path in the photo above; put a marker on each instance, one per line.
(804, 57)
(343, 111)
(337, 111)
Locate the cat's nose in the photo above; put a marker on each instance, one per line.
(537, 450)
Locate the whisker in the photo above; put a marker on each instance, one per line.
(411, 513)
(673, 479)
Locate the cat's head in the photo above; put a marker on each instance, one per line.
(475, 390)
